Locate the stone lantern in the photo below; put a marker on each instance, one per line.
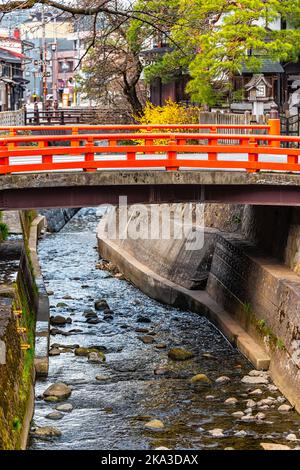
(259, 92)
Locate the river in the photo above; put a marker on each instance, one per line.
(138, 382)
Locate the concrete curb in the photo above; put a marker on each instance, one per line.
(41, 360)
(168, 292)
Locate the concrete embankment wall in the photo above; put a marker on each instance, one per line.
(21, 304)
(251, 295)
(58, 218)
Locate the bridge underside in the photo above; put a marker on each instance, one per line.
(79, 189)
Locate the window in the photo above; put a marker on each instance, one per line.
(261, 91)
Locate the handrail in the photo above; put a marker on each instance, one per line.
(136, 127)
(161, 150)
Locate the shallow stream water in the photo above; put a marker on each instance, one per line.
(111, 413)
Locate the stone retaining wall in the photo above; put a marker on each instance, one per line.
(253, 298)
(22, 306)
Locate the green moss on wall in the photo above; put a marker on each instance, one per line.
(17, 375)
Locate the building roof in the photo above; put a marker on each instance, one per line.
(11, 56)
(268, 66)
(256, 80)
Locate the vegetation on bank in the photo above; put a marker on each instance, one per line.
(3, 229)
(17, 376)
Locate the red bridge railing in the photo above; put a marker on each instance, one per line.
(92, 148)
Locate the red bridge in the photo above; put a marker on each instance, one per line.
(61, 157)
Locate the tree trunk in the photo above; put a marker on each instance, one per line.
(133, 100)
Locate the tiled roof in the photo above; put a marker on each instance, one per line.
(268, 66)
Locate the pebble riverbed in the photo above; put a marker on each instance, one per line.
(138, 382)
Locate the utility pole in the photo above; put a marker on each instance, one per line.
(44, 58)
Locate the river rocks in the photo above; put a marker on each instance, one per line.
(55, 415)
(45, 431)
(96, 357)
(238, 414)
(291, 437)
(180, 354)
(263, 407)
(84, 351)
(250, 404)
(60, 320)
(247, 418)
(93, 321)
(216, 432)
(241, 433)
(280, 400)
(257, 373)
(65, 407)
(67, 297)
(260, 416)
(155, 425)
(64, 346)
(231, 401)
(57, 331)
(272, 388)
(200, 378)
(50, 292)
(59, 390)
(272, 446)
(90, 314)
(146, 339)
(161, 346)
(51, 399)
(142, 330)
(101, 378)
(110, 317)
(119, 276)
(61, 305)
(101, 304)
(161, 371)
(208, 356)
(108, 311)
(142, 319)
(223, 379)
(254, 380)
(257, 391)
(285, 408)
(54, 352)
(266, 401)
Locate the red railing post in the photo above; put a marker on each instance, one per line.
(275, 126)
(74, 132)
(172, 156)
(46, 158)
(89, 155)
(212, 156)
(252, 156)
(4, 161)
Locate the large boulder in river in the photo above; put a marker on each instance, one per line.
(58, 390)
(180, 354)
(101, 304)
(200, 378)
(60, 320)
(45, 432)
(87, 351)
(96, 357)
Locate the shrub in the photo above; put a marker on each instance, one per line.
(3, 231)
(171, 113)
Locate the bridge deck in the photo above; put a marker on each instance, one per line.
(79, 189)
